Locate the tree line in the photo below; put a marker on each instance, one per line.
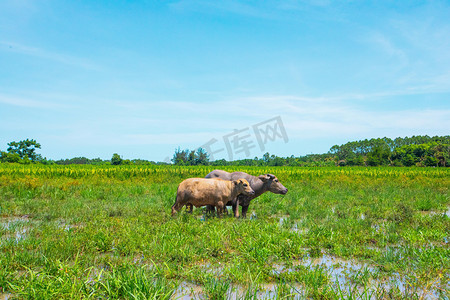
(408, 151)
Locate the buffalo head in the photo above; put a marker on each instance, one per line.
(273, 184)
(244, 187)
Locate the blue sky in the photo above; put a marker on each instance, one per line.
(141, 78)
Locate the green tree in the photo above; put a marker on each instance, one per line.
(408, 160)
(180, 157)
(192, 160)
(356, 161)
(220, 162)
(378, 156)
(276, 161)
(116, 159)
(442, 153)
(9, 157)
(266, 158)
(431, 161)
(26, 149)
(201, 157)
(190, 157)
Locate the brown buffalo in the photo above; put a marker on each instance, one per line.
(260, 184)
(201, 191)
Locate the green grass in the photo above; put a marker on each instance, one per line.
(71, 232)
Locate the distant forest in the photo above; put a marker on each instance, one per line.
(409, 151)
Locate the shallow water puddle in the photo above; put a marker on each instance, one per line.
(67, 226)
(406, 287)
(214, 270)
(437, 213)
(283, 222)
(5, 296)
(338, 269)
(9, 223)
(15, 227)
(380, 227)
(343, 272)
(188, 291)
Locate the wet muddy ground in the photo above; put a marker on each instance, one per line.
(347, 274)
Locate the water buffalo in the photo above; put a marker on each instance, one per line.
(217, 193)
(260, 184)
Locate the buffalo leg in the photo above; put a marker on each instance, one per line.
(235, 205)
(176, 207)
(210, 209)
(244, 211)
(220, 207)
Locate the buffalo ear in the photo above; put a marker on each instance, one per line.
(263, 177)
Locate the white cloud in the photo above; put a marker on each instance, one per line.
(387, 45)
(10, 46)
(30, 103)
(415, 50)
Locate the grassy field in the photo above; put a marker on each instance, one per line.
(106, 233)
